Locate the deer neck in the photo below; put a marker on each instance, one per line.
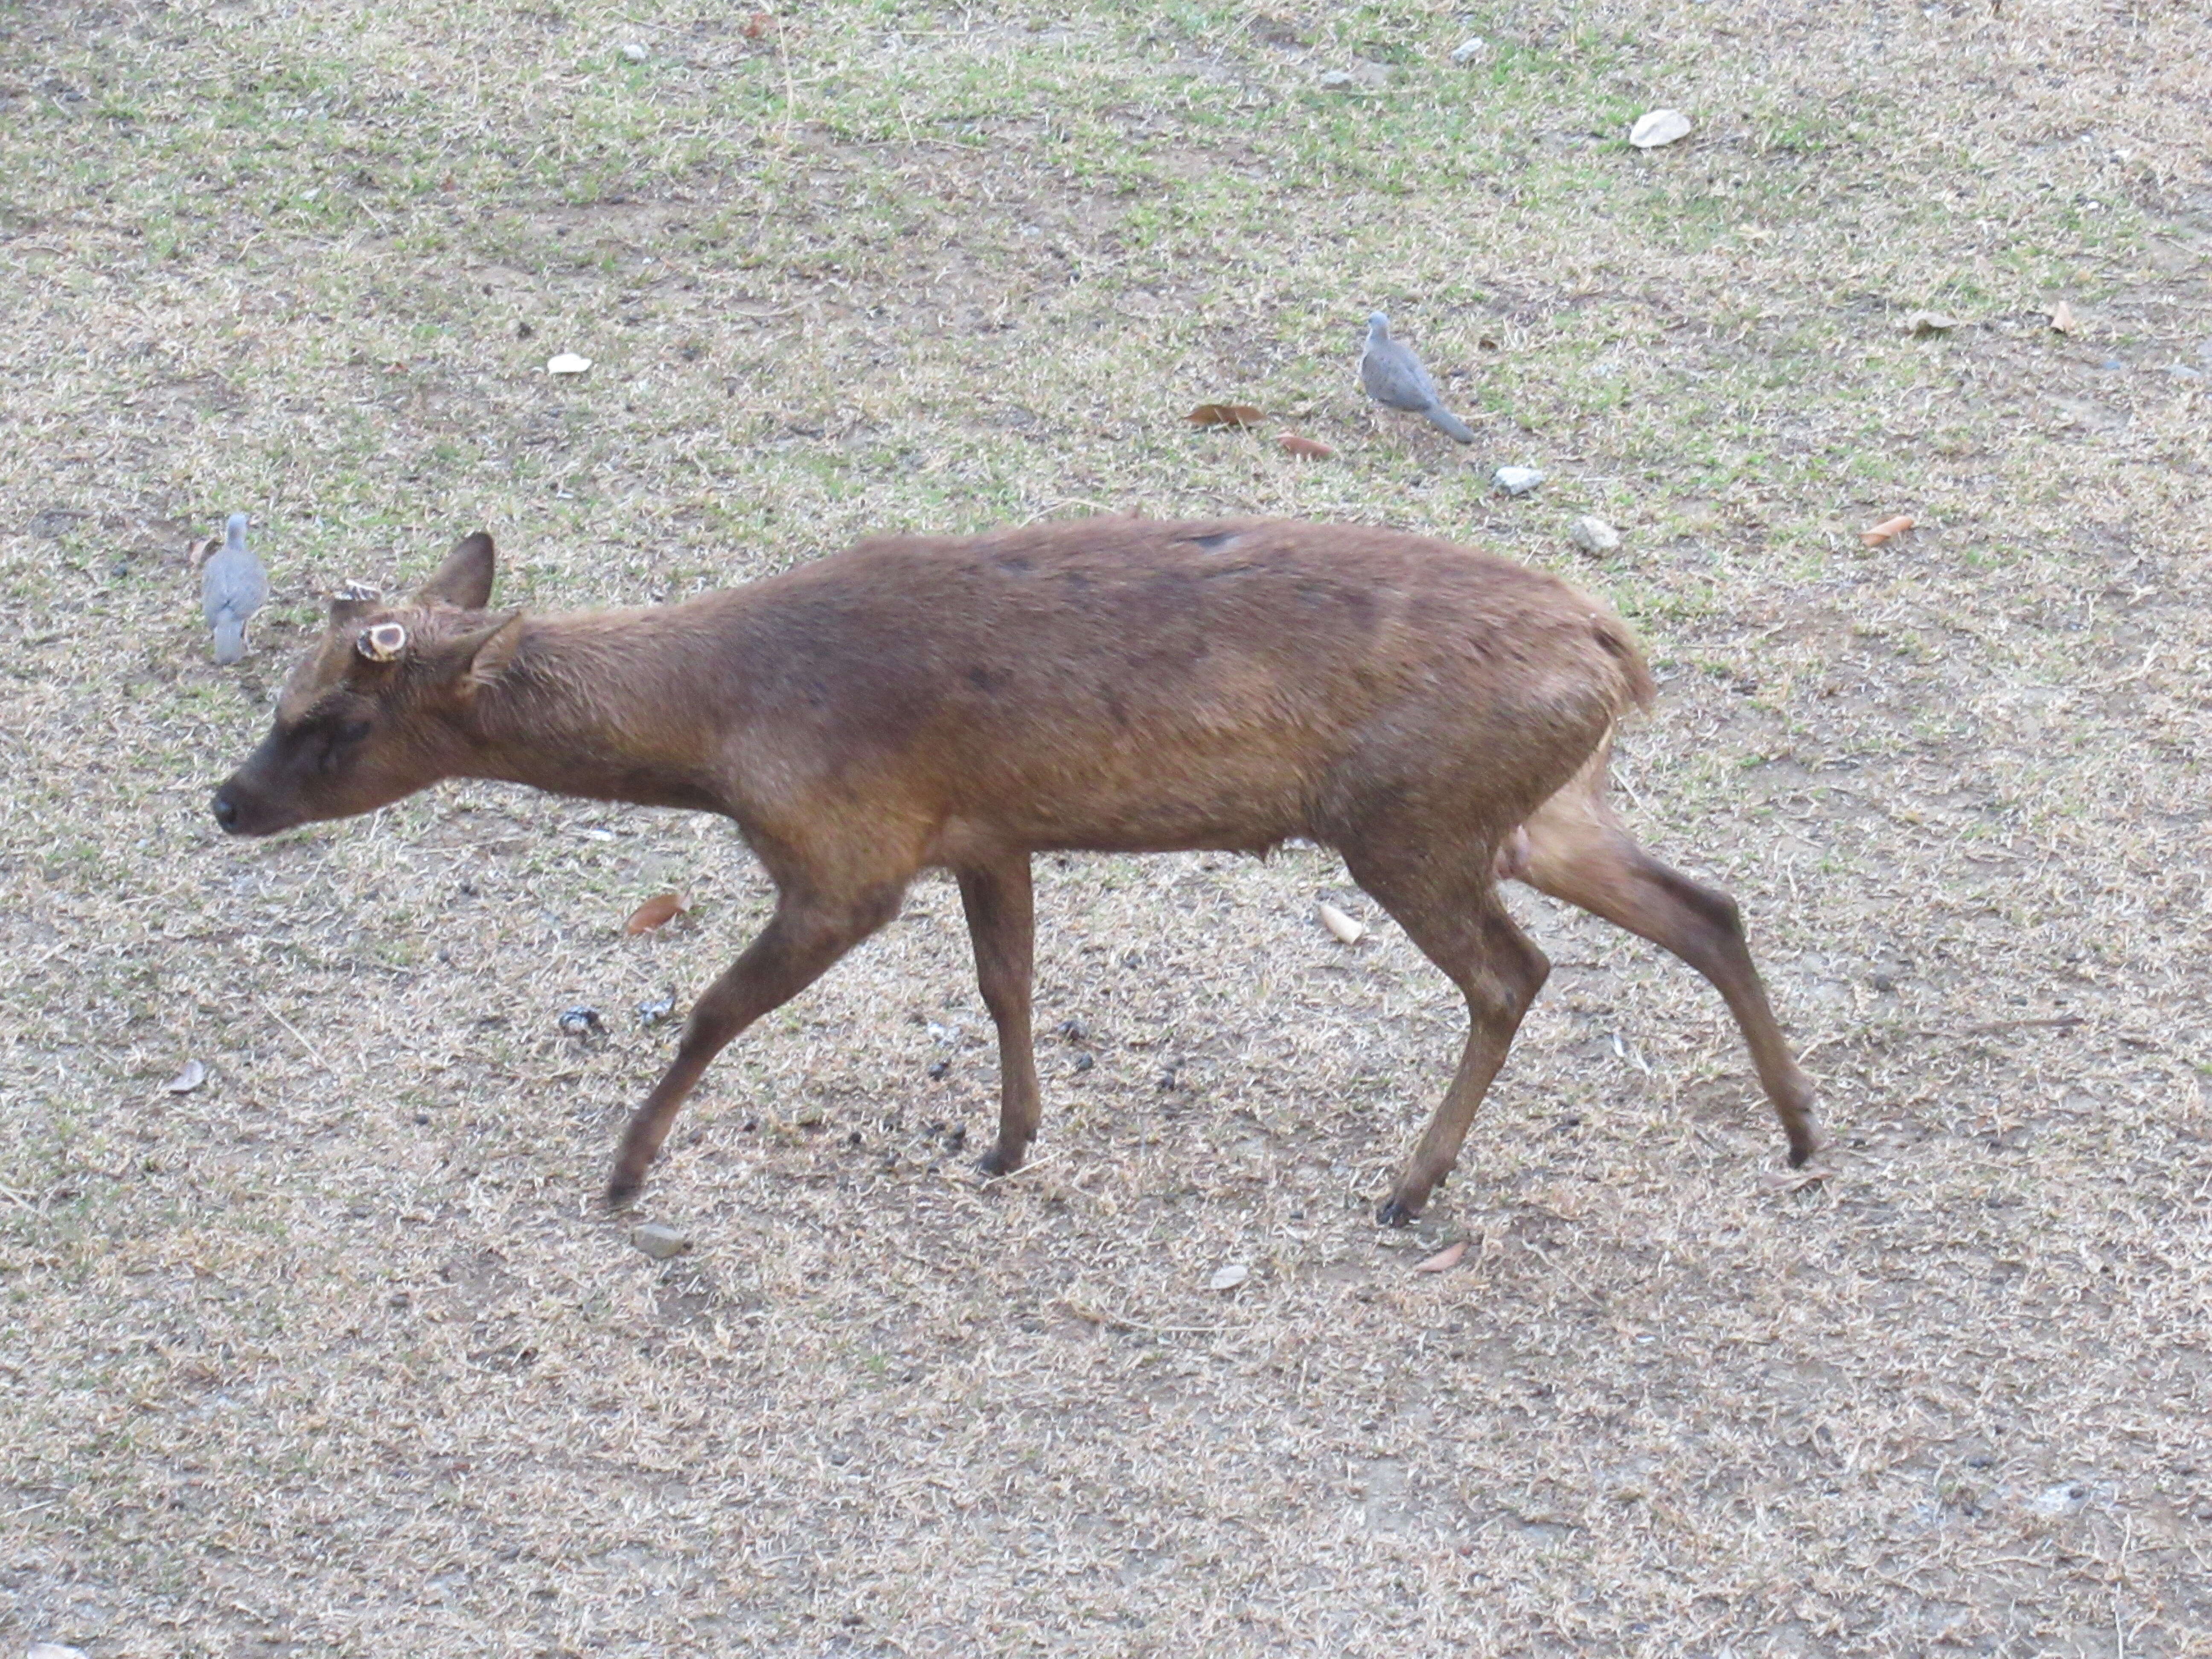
(617, 706)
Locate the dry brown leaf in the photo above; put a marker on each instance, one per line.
(1311, 449)
(2063, 319)
(657, 912)
(1792, 1180)
(1886, 530)
(185, 1081)
(1225, 415)
(1446, 1257)
(758, 25)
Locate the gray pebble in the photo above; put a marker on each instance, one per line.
(1517, 480)
(1594, 535)
(660, 1242)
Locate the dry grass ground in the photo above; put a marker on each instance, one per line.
(334, 1355)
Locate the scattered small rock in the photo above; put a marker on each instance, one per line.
(1931, 322)
(568, 363)
(53, 1650)
(1348, 931)
(1659, 127)
(1074, 1029)
(1594, 535)
(633, 51)
(657, 1242)
(650, 1014)
(937, 1068)
(2065, 1499)
(1229, 1277)
(1083, 1062)
(185, 1081)
(1517, 480)
(582, 1022)
(1473, 50)
(1366, 76)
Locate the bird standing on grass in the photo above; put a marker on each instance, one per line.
(231, 589)
(1394, 377)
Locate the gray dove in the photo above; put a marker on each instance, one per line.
(231, 589)
(1394, 377)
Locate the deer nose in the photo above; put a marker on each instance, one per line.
(226, 808)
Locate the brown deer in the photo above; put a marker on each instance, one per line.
(1440, 716)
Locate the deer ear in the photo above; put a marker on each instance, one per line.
(482, 654)
(463, 582)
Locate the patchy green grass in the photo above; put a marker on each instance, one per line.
(331, 1355)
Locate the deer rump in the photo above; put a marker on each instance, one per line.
(1439, 715)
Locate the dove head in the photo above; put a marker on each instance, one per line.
(378, 708)
(1378, 325)
(233, 532)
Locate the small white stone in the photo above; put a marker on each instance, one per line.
(2064, 1498)
(1473, 50)
(659, 1241)
(1228, 1278)
(567, 363)
(1337, 80)
(53, 1650)
(1348, 930)
(190, 1079)
(1517, 480)
(1594, 535)
(1658, 126)
(633, 51)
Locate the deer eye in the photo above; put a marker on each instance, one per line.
(338, 736)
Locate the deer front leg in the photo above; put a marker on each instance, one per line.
(1002, 926)
(807, 934)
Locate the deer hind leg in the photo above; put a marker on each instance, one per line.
(1576, 849)
(1454, 915)
(1001, 925)
(807, 934)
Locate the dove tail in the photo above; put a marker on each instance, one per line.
(229, 641)
(1449, 423)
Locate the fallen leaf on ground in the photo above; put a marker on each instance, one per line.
(655, 912)
(1929, 322)
(190, 1079)
(1228, 1278)
(1792, 1180)
(1225, 415)
(1887, 528)
(2062, 318)
(1311, 449)
(758, 24)
(1446, 1257)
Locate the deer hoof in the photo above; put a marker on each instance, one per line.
(1393, 1214)
(621, 1192)
(999, 1162)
